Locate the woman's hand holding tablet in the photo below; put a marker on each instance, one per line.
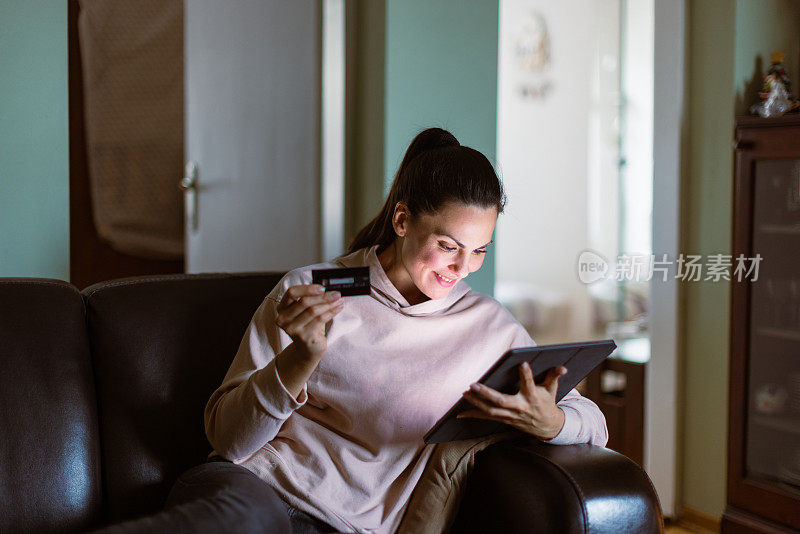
(533, 409)
(521, 390)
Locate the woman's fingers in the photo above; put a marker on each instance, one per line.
(550, 383)
(304, 317)
(526, 382)
(312, 315)
(529, 410)
(487, 407)
(297, 300)
(501, 399)
(332, 311)
(303, 313)
(294, 293)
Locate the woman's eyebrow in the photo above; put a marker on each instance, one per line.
(441, 232)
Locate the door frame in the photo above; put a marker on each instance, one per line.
(333, 131)
(669, 129)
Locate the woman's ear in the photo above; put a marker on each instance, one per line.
(400, 218)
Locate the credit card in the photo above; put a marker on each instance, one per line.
(348, 281)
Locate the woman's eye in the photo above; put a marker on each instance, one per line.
(451, 249)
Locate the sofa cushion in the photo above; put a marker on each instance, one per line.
(49, 440)
(160, 346)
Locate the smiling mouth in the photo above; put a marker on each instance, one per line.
(444, 279)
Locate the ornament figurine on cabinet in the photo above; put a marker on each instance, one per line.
(776, 95)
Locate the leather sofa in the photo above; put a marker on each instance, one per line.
(102, 394)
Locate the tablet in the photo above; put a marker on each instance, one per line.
(503, 376)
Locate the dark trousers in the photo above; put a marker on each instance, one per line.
(220, 497)
(222, 494)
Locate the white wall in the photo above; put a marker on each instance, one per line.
(542, 147)
(604, 134)
(557, 156)
(637, 177)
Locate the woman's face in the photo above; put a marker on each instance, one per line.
(437, 250)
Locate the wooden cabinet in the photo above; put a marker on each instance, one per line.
(617, 387)
(763, 483)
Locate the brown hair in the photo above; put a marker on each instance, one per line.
(436, 169)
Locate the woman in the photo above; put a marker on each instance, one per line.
(328, 398)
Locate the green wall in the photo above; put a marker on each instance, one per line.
(34, 160)
(706, 198)
(725, 39)
(441, 70)
(762, 27)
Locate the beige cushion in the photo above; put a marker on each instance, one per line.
(435, 499)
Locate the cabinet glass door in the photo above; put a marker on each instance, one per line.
(773, 387)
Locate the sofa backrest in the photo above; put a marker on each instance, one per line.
(160, 346)
(49, 437)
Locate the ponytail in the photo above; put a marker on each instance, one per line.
(435, 169)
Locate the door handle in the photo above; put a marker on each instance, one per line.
(188, 185)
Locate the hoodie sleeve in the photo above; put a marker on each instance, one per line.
(252, 403)
(583, 420)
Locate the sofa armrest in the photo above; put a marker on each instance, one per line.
(217, 497)
(525, 485)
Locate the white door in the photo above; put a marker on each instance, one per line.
(252, 81)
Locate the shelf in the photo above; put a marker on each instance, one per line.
(784, 423)
(788, 486)
(782, 229)
(752, 121)
(782, 333)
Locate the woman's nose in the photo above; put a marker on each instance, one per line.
(461, 264)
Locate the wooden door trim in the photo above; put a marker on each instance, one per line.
(90, 258)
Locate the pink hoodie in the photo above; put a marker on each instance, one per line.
(349, 449)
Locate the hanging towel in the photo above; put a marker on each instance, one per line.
(132, 62)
